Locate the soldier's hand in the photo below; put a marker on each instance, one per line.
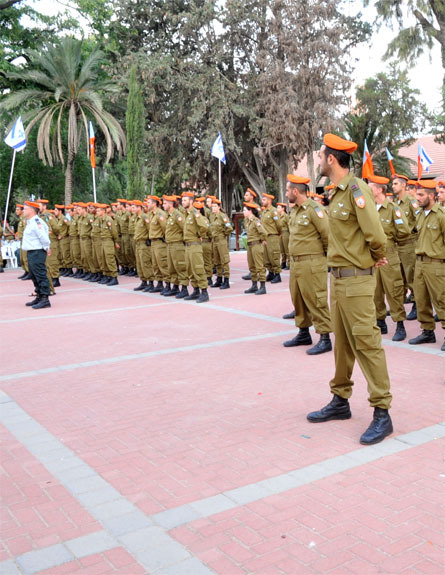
(117, 246)
(48, 252)
(381, 262)
(264, 243)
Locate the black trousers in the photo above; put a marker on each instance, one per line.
(37, 269)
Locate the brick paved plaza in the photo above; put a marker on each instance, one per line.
(148, 435)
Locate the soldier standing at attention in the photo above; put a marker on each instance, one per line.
(52, 261)
(158, 221)
(109, 244)
(356, 246)
(271, 222)
(75, 242)
(406, 247)
(441, 193)
(64, 241)
(123, 223)
(37, 244)
(195, 227)
(220, 228)
(174, 238)
(96, 246)
(206, 240)
(131, 244)
(144, 265)
(250, 197)
(429, 278)
(256, 240)
(308, 283)
(284, 237)
(20, 229)
(389, 280)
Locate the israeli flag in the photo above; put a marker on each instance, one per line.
(218, 149)
(425, 160)
(17, 137)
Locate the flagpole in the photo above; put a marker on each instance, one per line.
(9, 191)
(219, 180)
(94, 184)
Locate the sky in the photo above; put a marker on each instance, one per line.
(426, 76)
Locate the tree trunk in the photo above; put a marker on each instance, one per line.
(311, 171)
(69, 178)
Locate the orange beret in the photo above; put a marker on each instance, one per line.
(413, 183)
(70, 207)
(254, 194)
(297, 179)
(330, 187)
(40, 201)
(22, 206)
(137, 203)
(211, 197)
(59, 206)
(378, 179)
(198, 205)
(216, 201)
(270, 196)
(282, 204)
(154, 198)
(188, 194)
(441, 183)
(102, 206)
(428, 184)
(337, 143)
(251, 205)
(32, 204)
(169, 198)
(399, 177)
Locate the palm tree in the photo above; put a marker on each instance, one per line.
(66, 88)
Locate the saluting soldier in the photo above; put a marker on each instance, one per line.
(174, 237)
(389, 280)
(429, 278)
(356, 245)
(109, 244)
(220, 229)
(271, 222)
(144, 264)
(256, 241)
(195, 227)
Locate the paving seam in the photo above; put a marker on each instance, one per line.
(145, 537)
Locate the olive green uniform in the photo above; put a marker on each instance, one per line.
(174, 237)
(125, 238)
(284, 239)
(144, 264)
(131, 243)
(389, 280)
(64, 242)
(195, 227)
(308, 282)
(270, 220)
(96, 244)
(86, 251)
(52, 261)
(207, 251)
(429, 279)
(109, 239)
(256, 235)
(75, 242)
(356, 242)
(158, 221)
(23, 253)
(406, 247)
(220, 229)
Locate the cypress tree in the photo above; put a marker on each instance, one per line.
(135, 138)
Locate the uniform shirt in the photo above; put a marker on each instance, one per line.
(84, 226)
(36, 235)
(53, 225)
(255, 230)
(308, 229)
(96, 229)
(74, 232)
(131, 224)
(220, 225)
(394, 223)
(64, 226)
(431, 233)
(21, 227)
(174, 228)
(356, 236)
(158, 221)
(195, 226)
(141, 227)
(270, 219)
(410, 208)
(284, 218)
(124, 217)
(108, 229)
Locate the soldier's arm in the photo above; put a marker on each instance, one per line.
(277, 220)
(401, 224)
(320, 220)
(369, 222)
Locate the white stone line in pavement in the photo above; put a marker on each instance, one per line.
(138, 356)
(125, 524)
(145, 537)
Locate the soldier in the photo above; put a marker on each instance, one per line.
(75, 242)
(84, 224)
(284, 237)
(109, 239)
(406, 247)
(143, 247)
(308, 283)
(272, 225)
(158, 221)
(220, 229)
(64, 241)
(124, 237)
(52, 261)
(256, 241)
(250, 196)
(174, 238)
(195, 227)
(131, 243)
(441, 193)
(96, 246)
(206, 240)
(20, 229)
(389, 280)
(356, 246)
(429, 278)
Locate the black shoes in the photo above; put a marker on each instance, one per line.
(194, 295)
(270, 276)
(172, 291)
(262, 289)
(427, 336)
(27, 276)
(338, 408)
(253, 288)
(247, 277)
(225, 284)
(33, 302)
(380, 427)
(322, 346)
(141, 286)
(42, 303)
(276, 279)
(158, 288)
(113, 282)
(218, 282)
(381, 323)
(204, 296)
(166, 289)
(183, 293)
(149, 287)
(303, 337)
(413, 313)
(290, 315)
(400, 333)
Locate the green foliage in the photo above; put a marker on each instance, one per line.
(135, 138)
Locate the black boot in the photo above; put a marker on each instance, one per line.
(104, 280)
(56, 282)
(218, 282)
(113, 282)
(27, 276)
(93, 278)
(166, 289)
(141, 286)
(149, 287)
(204, 296)
(262, 289)
(193, 295)
(413, 313)
(158, 288)
(69, 273)
(338, 408)
(225, 284)
(97, 278)
(276, 279)
(381, 323)
(427, 336)
(43, 302)
(247, 277)
(400, 333)
(209, 282)
(122, 271)
(253, 288)
(380, 427)
(303, 337)
(22, 276)
(322, 346)
(183, 293)
(33, 302)
(172, 291)
(290, 315)
(270, 276)
(79, 273)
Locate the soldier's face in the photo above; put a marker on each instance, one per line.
(441, 193)
(247, 213)
(215, 208)
(291, 193)
(248, 197)
(324, 166)
(398, 186)
(424, 198)
(186, 202)
(209, 202)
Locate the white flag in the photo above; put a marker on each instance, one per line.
(218, 149)
(424, 159)
(17, 137)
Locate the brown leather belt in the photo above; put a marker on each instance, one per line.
(351, 272)
(428, 259)
(175, 243)
(254, 243)
(205, 241)
(192, 244)
(307, 257)
(407, 242)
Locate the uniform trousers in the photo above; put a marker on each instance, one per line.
(52, 261)
(24, 260)
(176, 264)
(357, 337)
(75, 251)
(109, 258)
(284, 246)
(144, 265)
(37, 269)
(96, 245)
(159, 260)
(195, 265)
(429, 286)
(255, 261)
(308, 286)
(207, 256)
(389, 282)
(65, 252)
(272, 254)
(408, 262)
(221, 257)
